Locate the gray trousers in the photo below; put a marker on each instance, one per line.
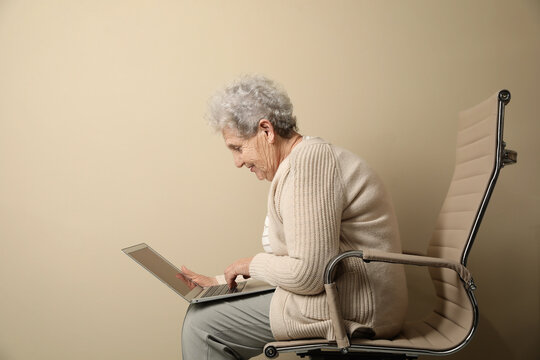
(237, 328)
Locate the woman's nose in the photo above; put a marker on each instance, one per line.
(238, 162)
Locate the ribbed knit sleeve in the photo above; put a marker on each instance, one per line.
(309, 206)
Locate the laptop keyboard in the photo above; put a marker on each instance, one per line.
(222, 290)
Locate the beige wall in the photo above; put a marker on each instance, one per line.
(102, 145)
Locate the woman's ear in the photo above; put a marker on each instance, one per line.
(267, 129)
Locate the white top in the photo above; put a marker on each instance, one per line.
(265, 240)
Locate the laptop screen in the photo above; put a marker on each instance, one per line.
(157, 265)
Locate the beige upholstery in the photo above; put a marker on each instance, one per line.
(452, 319)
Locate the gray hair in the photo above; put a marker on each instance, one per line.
(243, 103)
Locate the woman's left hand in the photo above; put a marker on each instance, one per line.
(192, 279)
(239, 267)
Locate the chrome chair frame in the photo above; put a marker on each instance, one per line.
(323, 349)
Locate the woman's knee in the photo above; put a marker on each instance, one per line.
(198, 321)
(192, 320)
(192, 336)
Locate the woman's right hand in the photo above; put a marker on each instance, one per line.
(193, 279)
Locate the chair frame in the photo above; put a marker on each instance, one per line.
(323, 349)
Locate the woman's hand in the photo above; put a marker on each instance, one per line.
(239, 267)
(193, 279)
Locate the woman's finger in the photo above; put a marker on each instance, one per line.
(188, 272)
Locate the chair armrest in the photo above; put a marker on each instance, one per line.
(406, 259)
(382, 256)
(413, 252)
(336, 317)
(332, 295)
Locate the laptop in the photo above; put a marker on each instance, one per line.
(161, 268)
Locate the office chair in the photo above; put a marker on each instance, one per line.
(480, 155)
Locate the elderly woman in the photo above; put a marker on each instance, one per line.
(323, 200)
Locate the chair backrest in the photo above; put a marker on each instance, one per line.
(479, 158)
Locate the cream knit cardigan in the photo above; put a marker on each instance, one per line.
(323, 201)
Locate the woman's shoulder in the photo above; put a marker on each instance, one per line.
(313, 148)
(309, 149)
(319, 154)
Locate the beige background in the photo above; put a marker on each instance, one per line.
(102, 145)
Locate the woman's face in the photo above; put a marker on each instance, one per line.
(255, 153)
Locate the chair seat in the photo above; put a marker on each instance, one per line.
(435, 333)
